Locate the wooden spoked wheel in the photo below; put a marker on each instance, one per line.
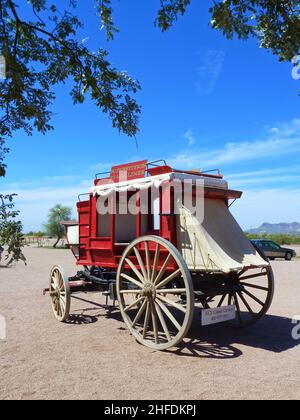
(60, 293)
(253, 298)
(149, 294)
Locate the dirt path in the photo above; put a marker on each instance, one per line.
(95, 357)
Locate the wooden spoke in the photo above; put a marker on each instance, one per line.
(148, 265)
(140, 261)
(253, 297)
(55, 278)
(170, 302)
(60, 281)
(154, 321)
(56, 305)
(133, 291)
(146, 320)
(155, 263)
(135, 270)
(162, 321)
(254, 286)
(171, 291)
(236, 302)
(163, 269)
(62, 305)
(206, 305)
(246, 303)
(221, 301)
(59, 307)
(140, 313)
(169, 314)
(229, 299)
(134, 303)
(252, 276)
(168, 279)
(137, 283)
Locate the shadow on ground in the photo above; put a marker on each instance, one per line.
(81, 319)
(272, 333)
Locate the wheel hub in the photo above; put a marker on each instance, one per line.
(149, 291)
(55, 293)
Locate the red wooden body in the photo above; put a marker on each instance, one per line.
(105, 251)
(96, 249)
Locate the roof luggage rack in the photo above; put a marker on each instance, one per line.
(160, 166)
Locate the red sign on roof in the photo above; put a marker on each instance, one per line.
(128, 171)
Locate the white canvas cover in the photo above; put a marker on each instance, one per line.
(155, 181)
(218, 243)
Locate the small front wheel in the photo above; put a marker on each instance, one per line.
(60, 293)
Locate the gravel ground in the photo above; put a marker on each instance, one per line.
(94, 357)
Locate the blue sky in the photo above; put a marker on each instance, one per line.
(206, 103)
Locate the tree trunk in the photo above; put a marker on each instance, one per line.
(58, 239)
(9, 262)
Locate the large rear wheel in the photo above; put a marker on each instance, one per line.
(252, 298)
(149, 294)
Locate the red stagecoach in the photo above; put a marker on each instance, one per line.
(164, 261)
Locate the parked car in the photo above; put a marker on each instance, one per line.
(272, 250)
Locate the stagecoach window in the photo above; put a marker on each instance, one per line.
(103, 228)
(126, 219)
(125, 227)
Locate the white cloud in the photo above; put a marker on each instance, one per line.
(47, 194)
(209, 70)
(189, 136)
(269, 195)
(285, 141)
(48, 181)
(264, 180)
(264, 172)
(35, 203)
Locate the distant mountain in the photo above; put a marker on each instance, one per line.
(281, 228)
